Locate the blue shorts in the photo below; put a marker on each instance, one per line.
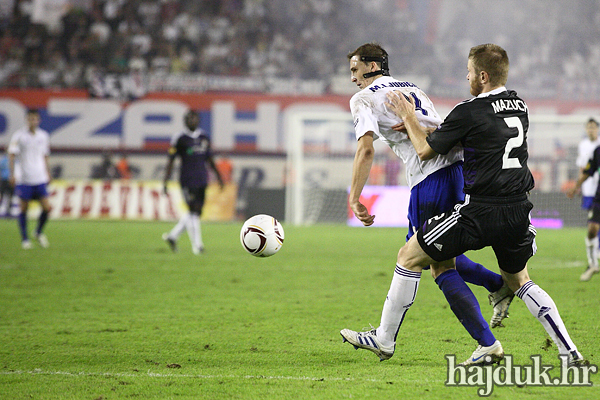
(586, 202)
(31, 192)
(437, 193)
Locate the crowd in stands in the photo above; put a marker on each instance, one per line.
(113, 47)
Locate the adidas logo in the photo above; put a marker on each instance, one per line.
(438, 246)
(543, 310)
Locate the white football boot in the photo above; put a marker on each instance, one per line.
(589, 272)
(367, 340)
(486, 355)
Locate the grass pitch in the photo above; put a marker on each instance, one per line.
(108, 312)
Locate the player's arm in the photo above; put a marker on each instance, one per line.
(46, 162)
(169, 167)
(571, 192)
(405, 109)
(363, 160)
(584, 173)
(11, 169)
(213, 166)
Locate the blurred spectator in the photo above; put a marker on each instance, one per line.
(106, 169)
(123, 168)
(556, 54)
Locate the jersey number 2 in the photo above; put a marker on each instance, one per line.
(507, 162)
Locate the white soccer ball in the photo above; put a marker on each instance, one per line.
(262, 235)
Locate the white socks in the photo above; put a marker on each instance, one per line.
(196, 233)
(401, 295)
(191, 223)
(542, 307)
(591, 249)
(181, 225)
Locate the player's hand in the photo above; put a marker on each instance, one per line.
(399, 127)
(571, 192)
(362, 213)
(399, 104)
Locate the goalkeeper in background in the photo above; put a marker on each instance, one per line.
(194, 150)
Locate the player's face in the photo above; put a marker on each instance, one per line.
(592, 130)
(473, 78)
(191, 121)
(33, 121)
(357, 70)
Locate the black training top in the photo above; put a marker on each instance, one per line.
(194, 150)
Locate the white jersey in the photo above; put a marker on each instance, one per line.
(371, 114)
(585, 150)
(30, 152)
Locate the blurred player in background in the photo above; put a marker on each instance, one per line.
(436, 185)
(6, 189)
(586, 173)
(492, 128)
(193, 148)
(28, 151)
(585, 151)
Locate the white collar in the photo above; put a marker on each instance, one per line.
(492, 92)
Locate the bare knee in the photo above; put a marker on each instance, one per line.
(412, 257)
(593, 229)
(515, 281)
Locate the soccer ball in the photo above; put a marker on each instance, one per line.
(262, 235)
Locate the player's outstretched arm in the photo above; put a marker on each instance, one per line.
(363, 160)
(573, 190)
(405, 109)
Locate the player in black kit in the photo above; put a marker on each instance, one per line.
(492, 129)
(193, 148)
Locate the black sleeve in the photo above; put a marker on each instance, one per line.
(592, 165)
(453, 130)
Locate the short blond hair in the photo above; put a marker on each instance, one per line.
(492, 59)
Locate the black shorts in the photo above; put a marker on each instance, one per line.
(194, 197)
(594, 213)
(503, 224)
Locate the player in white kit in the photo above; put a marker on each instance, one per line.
(28, 151)
(585, 151)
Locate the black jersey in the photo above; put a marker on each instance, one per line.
(194, 150)
(592, 166)
(492, 129)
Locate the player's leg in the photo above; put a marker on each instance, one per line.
(42, 195)
(542, 307)
(4, 198)
(401, 295)
(513, 250)
(181, 225)
(463, 303)
(194, 229)
(24, 194)
(591, 242)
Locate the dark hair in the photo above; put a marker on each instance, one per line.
(33, 111)
(492, 59)
(594, 121)
(372, 49)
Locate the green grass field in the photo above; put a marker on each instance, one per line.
(108, 312)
